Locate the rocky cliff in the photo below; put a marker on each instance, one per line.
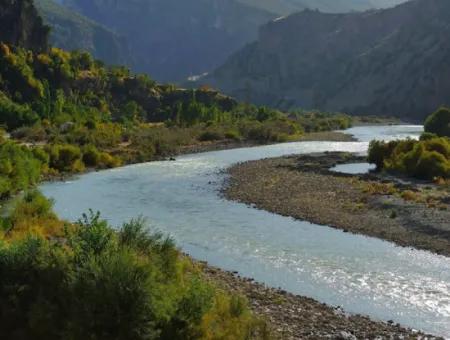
(393, 61)
(21, 25)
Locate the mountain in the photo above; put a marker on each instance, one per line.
(22, 25)
(173, 39)
(283, 7)
(72, 31)
(393, 61)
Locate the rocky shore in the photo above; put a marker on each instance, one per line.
(292, 316)
(412, 214)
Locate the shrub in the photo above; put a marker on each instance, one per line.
(232, 134)
(102, 284)
(439, 122)
(425, 159)
(65, 158)
(15, 115)
(432, 164)
(19, 169)
(210, 135)
(91, 156)
(33, 205)
(108, 161)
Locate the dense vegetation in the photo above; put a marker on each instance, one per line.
(428, 158)
(74, 113)
(86, 281)
(19, 169)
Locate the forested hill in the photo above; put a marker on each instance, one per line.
(72, 31)
(21, 25)
(392, 61)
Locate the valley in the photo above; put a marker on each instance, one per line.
(224, 169)
(182, 198)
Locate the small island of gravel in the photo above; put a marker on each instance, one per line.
(409, 213)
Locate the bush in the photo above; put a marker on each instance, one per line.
(425, 159)
(102, 284)
(15, 115)
(439, 122)
(108, 161)
(66, 158)
(210, 135)
(232, 134)
(91, 156)
(33, 205)
(19, 169)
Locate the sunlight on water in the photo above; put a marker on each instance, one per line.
(361, 274)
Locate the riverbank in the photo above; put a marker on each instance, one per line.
(209, 146)
(412, 214)
(297, 317)
(329, 136)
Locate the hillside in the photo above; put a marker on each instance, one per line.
(169, 39)
(173, 39)
(21, 25)
(391, 61)
(71, 31)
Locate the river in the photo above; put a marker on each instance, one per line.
(361, 274)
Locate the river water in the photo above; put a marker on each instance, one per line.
(361, 274)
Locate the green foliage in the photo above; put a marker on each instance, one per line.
(91, 156)
(275, 130)
(315, 121)
(14, 115)
(379, 151)
(32, 205)
(65, 158)
(87, 115)
(19, 169)
(428, 158)
(102, 284)
(211, 135)
(439, 122)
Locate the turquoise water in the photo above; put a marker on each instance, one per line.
(361, 274)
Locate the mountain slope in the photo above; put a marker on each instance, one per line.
(70, 31)
(393, 61)
(173, 39)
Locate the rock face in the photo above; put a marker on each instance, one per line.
(172, 39)
(21, 25)
(393, 61)
(72, 31)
